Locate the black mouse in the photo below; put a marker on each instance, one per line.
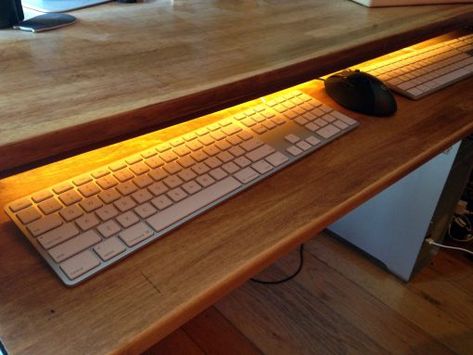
(361, 92)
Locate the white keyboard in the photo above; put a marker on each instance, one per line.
(427, 70)
(87, 223)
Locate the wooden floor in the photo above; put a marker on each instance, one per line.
(340, 303)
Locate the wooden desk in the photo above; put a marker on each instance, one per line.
(124, 69)
(146, 296)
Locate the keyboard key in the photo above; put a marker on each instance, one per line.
(277, 159)
(246, 175)
(200, 168)
(172, 168)
(70, 213)
(192, 204)
(127, 219)
(158, 188)
(260, 152)
(236, 151)
(107, 212)
(234, 140)
(218, 135)
(311, 126)
(158, 174)
(139, 168)
(301, 120)
(109, 248)
(107, 182)
(230, 167)
(80, 264)
(81, 180)
(259, 129)
(127, 188)
(154, 162)
(213, 162)
(292, 138)
(44, 224)
(109, 196)
(320, 122)
(148, 153)
(328, 131)
(232, 129)
(168, 156)
(176, 141)
(58, 235)
(303, 145)
(117, 166)
(251, 144)
(262, 166)
(242, 161)
(87, 221)
(224, 157)
(190, 136)
(136, 234)
(173, 181)
(187, 174)
(73, 246)
(62, 187)
(41, 196)
(28, 215)
(124, 175)
(90, 204)
(223, 145)
(89, 189)
(295, 151)
(206, 140)
(125, 203)
(161, 202)
(163, 147)
(133, 159)
(142, 181)
(340, 124)
(245, 135)
(205, 180)
(194, 145)
(177, 194)
(218, 174)
(211, 150)
(109, 228)
(142, 196)
(186, 161)
(145, 210)
(191, 187)
(182, 150)
(312, 140)
(20, 204)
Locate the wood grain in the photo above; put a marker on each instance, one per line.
(275, 318)
(111, 75)
(421, 309)
(264, 319)
(388, 311)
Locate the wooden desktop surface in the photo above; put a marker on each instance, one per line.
(137, 302)
(124, 69)
(140, 300)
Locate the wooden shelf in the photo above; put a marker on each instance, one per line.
(146, 296)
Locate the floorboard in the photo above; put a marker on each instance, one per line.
(341, 303)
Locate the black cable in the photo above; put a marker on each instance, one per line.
(319, 79)
(299, 268)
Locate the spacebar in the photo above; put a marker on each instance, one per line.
(193, 203)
